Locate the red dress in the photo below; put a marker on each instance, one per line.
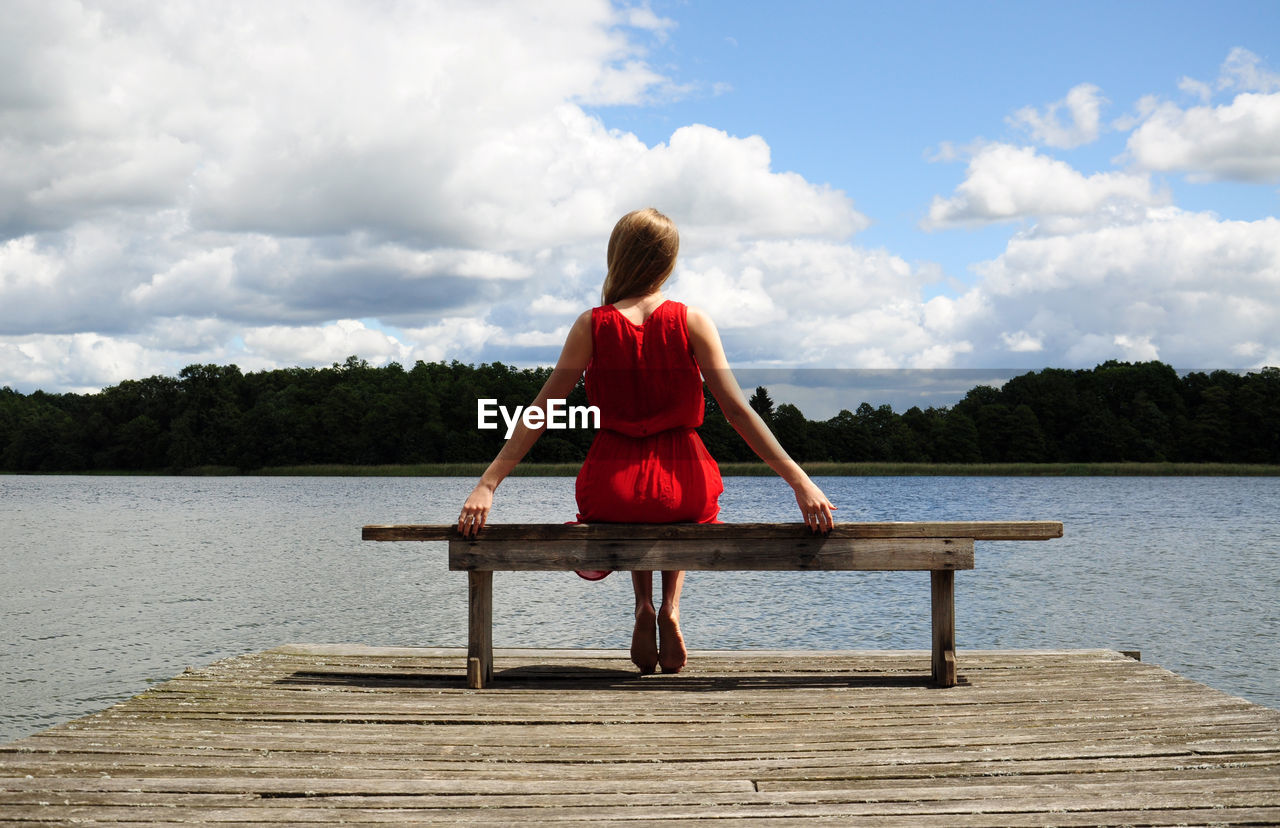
(647, 464)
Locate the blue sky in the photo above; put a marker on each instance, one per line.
(976, 187)
(861, 95)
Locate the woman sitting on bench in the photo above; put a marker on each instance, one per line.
(645, 359)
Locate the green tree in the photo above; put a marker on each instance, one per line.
(1025, 442)
(924, 428)
(994, 422)
(352, 412)
(957, 440)
(44, 439)
(792, 431)
(879, 425)
(842, 437)
(207, 417)
(1257, 412)
(762, 403)
(1210, 431)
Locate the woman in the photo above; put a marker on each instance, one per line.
(645, 358)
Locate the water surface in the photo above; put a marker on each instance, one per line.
(109, 583)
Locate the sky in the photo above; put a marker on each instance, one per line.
(930, 190)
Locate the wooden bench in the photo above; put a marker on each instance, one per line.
(939, 548)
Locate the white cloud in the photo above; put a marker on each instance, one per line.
(1195, 88)
(538, 339)
(1239, 140)
(1083, 104)
(716, 185)
(555, 306)
(292, 183)
(1104, 266)
(1007, 183)
(1246, 71)
(1187, 288)
(64, 283)
(300, 118)
(643, 17)
(189, 339)
(1022, 342)
(205, 279)
(277, 167)
(453, 337)
(817, 303)
(735, 298)
(323, 344)
(82, 362)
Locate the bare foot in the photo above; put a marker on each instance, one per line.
(673, 656)
(644, 641)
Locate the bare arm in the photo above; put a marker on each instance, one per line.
(709, 351)
(573, 361)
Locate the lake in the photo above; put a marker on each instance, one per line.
(108, 584)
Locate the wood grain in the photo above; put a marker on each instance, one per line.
(479, 629)
(714, 554)
(943, 602)
(977, 530)
(342, 733)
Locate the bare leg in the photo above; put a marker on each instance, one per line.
(644, 638)
(673, 655)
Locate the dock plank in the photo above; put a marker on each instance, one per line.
(331, 733)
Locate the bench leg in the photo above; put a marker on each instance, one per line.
(479, 629)
(943, 594)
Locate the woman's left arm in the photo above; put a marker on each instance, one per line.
(705, 339)
(573, 361)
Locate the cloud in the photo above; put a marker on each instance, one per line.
(1104, 266)
(1008, 183)
(643, 17)
(1237, 141)
(81, 362)
(1193, 87)
(263, 118)
(1021, 342)
(64, 283)
(1187, 288)
(280, 168)
(291, 183)
(1246, 71)
(453, 337)
(1083, 104)
(324, 344)
(816, 303)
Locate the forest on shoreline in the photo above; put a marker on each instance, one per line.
(353, 414)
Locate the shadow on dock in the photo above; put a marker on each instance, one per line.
(594, 679)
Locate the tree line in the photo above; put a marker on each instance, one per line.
(355, 413)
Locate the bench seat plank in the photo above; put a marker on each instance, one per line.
(714, 554)
(974, 529)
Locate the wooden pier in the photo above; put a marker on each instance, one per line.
(313, 733)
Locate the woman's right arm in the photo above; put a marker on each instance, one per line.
(573, 361)
(709, 352)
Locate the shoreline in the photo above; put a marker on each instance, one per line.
(870, 469)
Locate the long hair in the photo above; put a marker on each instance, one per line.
(642, 254)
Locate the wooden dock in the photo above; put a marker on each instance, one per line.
(306, 733)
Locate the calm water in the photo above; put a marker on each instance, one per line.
(108, 584)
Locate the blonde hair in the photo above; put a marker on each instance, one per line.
(642, 254)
